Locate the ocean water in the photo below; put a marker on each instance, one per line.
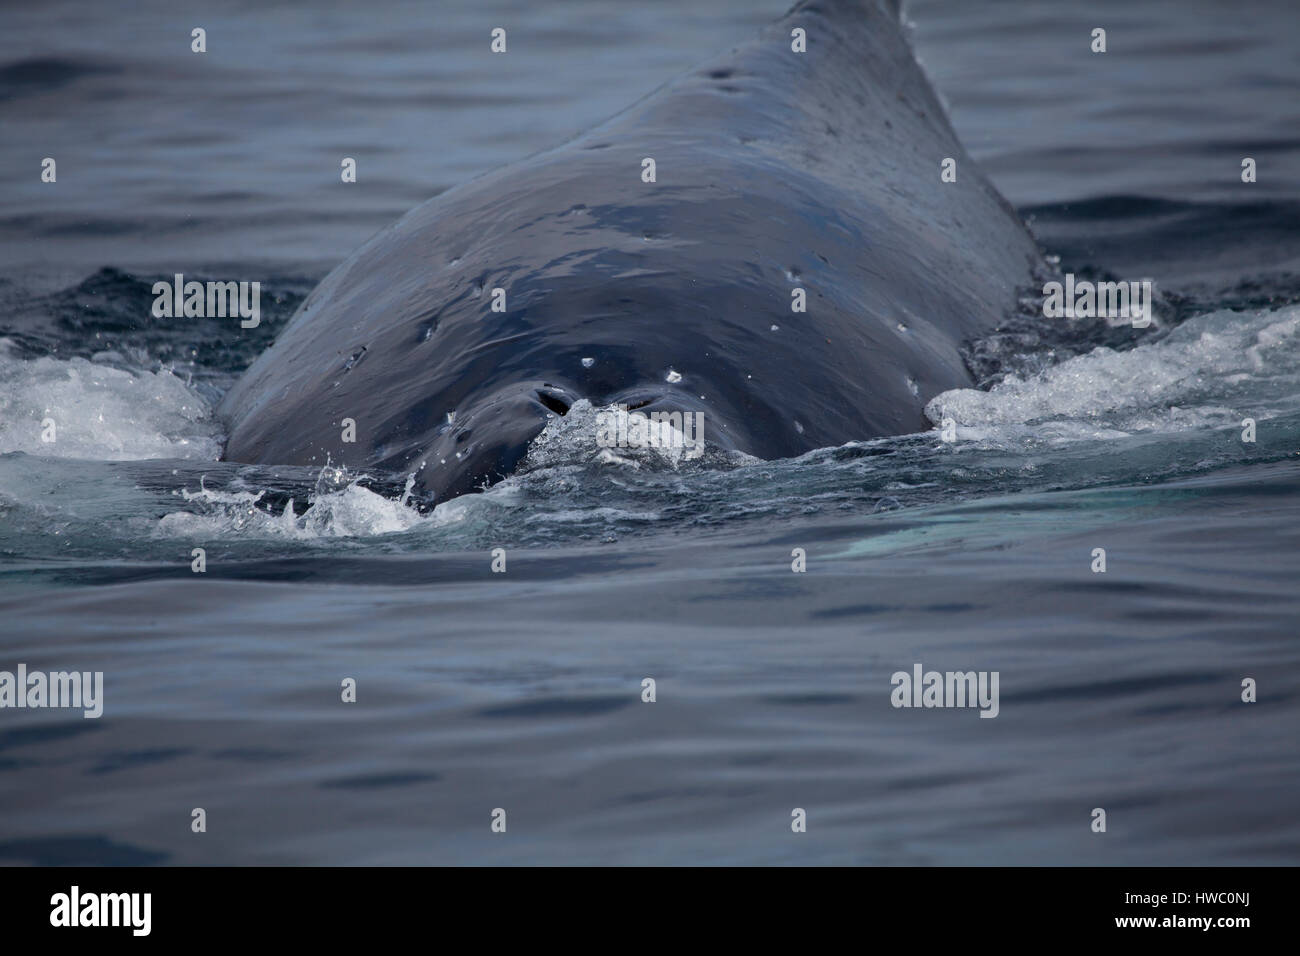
(522, 690)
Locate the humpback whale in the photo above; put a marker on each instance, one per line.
(804, 167)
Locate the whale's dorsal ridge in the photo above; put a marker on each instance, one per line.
(843, 87)
(845, 11)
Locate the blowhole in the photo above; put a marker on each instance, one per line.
(553, 402)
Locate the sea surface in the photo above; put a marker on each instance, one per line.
(522, 691)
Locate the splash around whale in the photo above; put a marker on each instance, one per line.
(659, 262)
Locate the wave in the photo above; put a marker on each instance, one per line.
(135, 460)
(90, 409)
(1210, 372)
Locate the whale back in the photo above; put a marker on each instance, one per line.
(775, 171)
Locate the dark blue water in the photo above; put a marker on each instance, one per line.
(522, 690)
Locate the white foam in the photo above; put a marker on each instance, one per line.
(353, 511)
(1209, 372)
(101, 412)
(572, 438)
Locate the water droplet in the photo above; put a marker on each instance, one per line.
(673, 377)
(775, 328)
(588, 362)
